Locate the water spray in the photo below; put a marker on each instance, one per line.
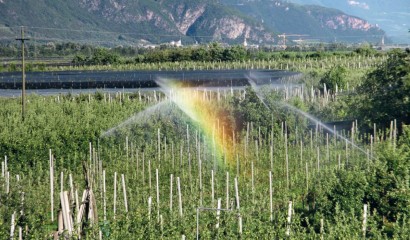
(304, 114)
(139, 117)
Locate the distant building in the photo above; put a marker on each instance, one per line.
(176, 43)
(245, 44)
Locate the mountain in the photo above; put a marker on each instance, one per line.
(310, 21)
(113, 22)
(392, 15)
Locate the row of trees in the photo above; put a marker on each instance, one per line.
(211, 52)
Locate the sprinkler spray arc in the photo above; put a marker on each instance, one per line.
(305, 115)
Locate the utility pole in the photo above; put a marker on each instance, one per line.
(23, 87)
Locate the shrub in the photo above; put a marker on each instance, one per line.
(334, 77)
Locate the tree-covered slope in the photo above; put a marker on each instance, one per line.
(129, 21)
(124, 21)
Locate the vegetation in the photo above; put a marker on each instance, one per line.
(334, 78)
(384, 95)
(329, 178)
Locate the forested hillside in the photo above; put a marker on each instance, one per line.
(136, 22)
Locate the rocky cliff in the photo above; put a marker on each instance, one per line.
(130, 21)
(315, 22)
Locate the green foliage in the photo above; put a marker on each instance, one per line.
(215, 51)
(336, 191)
(12, 67)
(79, 59)
(101, 56)
(67, 124)
(388, 191)
(344, 189)
(336, 76)
(366, 50)
(251, 109)
(21, 140)
(235, 53)
(385, 92)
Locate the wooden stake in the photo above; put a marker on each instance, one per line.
(240, 223)
(321, 229)
(67, 215)
(7, 182)
(77, 203)
(115, 192)
(51, 166)
(200, 175)
(237, 165)
(227, 190)
(218, 212)
(104, 197)
(170, 193)
(13, 226)
(157, 183)
(346, 154)
(71, 188)
(212, 187)
(159, 145)
(149, 175)
(237, 194)
(395, 135)
(197, 223)
(287, 160)
(124, 189)
(143, 169)
(271, 157)
(318, 159)
(253, 183)
(364, 226)
(289, 218)
(270, 196)
(149, 207)
(61, 182)
(4, 167)
(179, 196)
(327, 148)
(173, 156)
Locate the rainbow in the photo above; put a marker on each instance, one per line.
(201, 108)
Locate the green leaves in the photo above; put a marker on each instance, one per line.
(385, 92)
(101, 56)
(336, 76)
(388, 190)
